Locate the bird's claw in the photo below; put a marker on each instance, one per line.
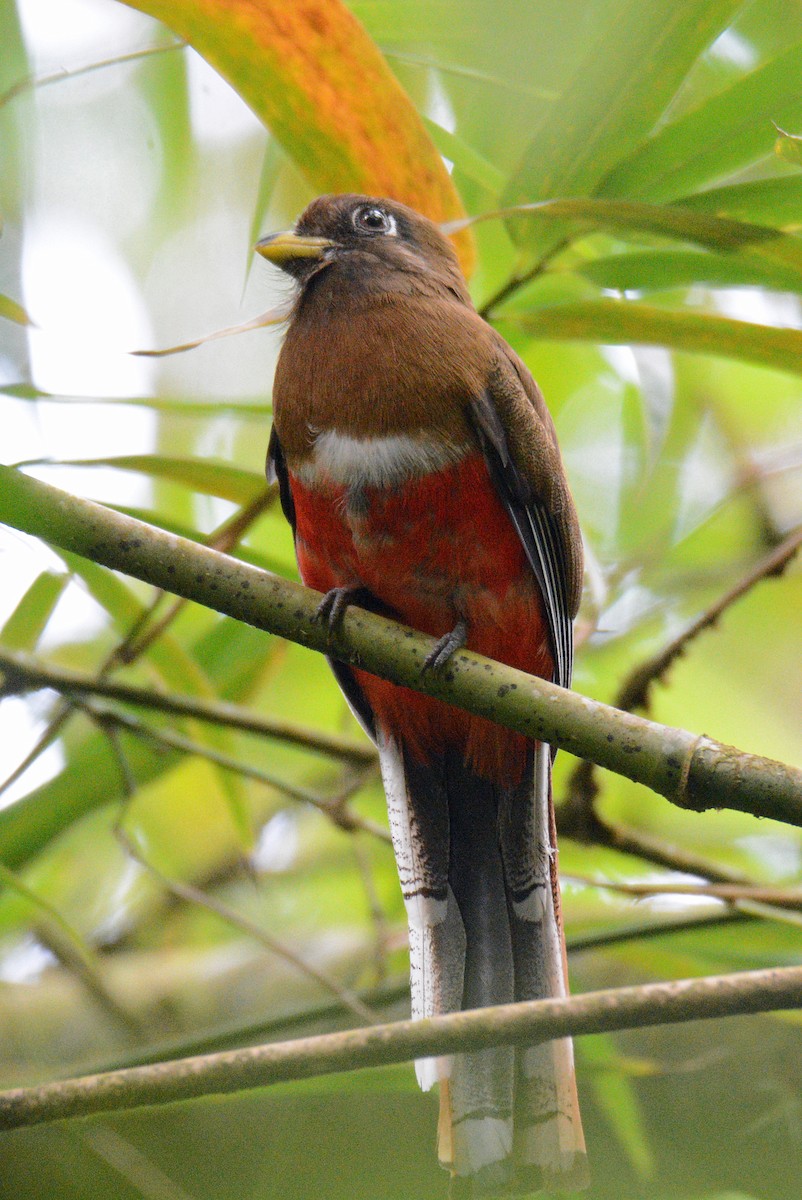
(446, 647)
(332, 607)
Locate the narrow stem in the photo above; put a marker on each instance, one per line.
(528, 1023)
(22, 672)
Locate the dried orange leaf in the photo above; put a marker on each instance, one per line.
(273, 316)
(310, 71)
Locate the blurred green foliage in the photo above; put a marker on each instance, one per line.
(684, 448)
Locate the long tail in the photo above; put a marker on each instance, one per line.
(478, 870)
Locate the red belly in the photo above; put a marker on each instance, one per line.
(437, 550)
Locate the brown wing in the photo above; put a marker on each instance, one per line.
(519, 443)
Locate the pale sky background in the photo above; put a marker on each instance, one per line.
(88, 308)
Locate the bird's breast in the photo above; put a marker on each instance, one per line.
(384, 390)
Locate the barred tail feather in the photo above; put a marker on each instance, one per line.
(436, 933)
(549, 1141)
(477, 867)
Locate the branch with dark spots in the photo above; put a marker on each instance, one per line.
(694, 772)
(528, 1023)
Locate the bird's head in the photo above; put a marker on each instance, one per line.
(370, 245)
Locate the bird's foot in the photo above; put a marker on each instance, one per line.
(447, 646)
(331, 609)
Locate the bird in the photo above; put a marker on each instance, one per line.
(418, 465)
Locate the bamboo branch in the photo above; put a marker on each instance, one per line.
(527, 1023)
(694, 772)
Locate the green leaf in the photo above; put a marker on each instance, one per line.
(662, 220)
(617, 1098)
(12, 311)
(470, 162)
(658, 270)
(620, 88)
(203, 475)
(778, 255)
(776, 202)
(726, 132)
(176, 406)
(59, 932)
(788, 146)
(613, 322)
(26, 624)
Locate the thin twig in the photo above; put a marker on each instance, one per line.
(142, 1174)
(22, 672)
(45, 739)
(193, 895)
(730, 892)
(39, 81)
(602, 938)
(511, 1024)
(634, 694)
(578, 812)
(518, 281)
(71, 950)
(334, 809)
(224, 538)
(123, 653)
(378, 916)
(577, 818)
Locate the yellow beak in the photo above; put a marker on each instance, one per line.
(280, 248)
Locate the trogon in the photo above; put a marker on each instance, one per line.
(419, 467)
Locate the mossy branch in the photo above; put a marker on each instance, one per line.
(693, 771)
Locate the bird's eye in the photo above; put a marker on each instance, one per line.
(372, 219)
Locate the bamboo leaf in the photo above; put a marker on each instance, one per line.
(472, 164)
(12, 311)
(177, 668)
(620, 88)
(321, 85)
(776, 202)
(663, 220)
(775, 252)
(657, 270)
(616, 322)
(617, 1098)
(730, 130)
(788, 146)
(208, 476)
(178, 406)
(26, 624)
